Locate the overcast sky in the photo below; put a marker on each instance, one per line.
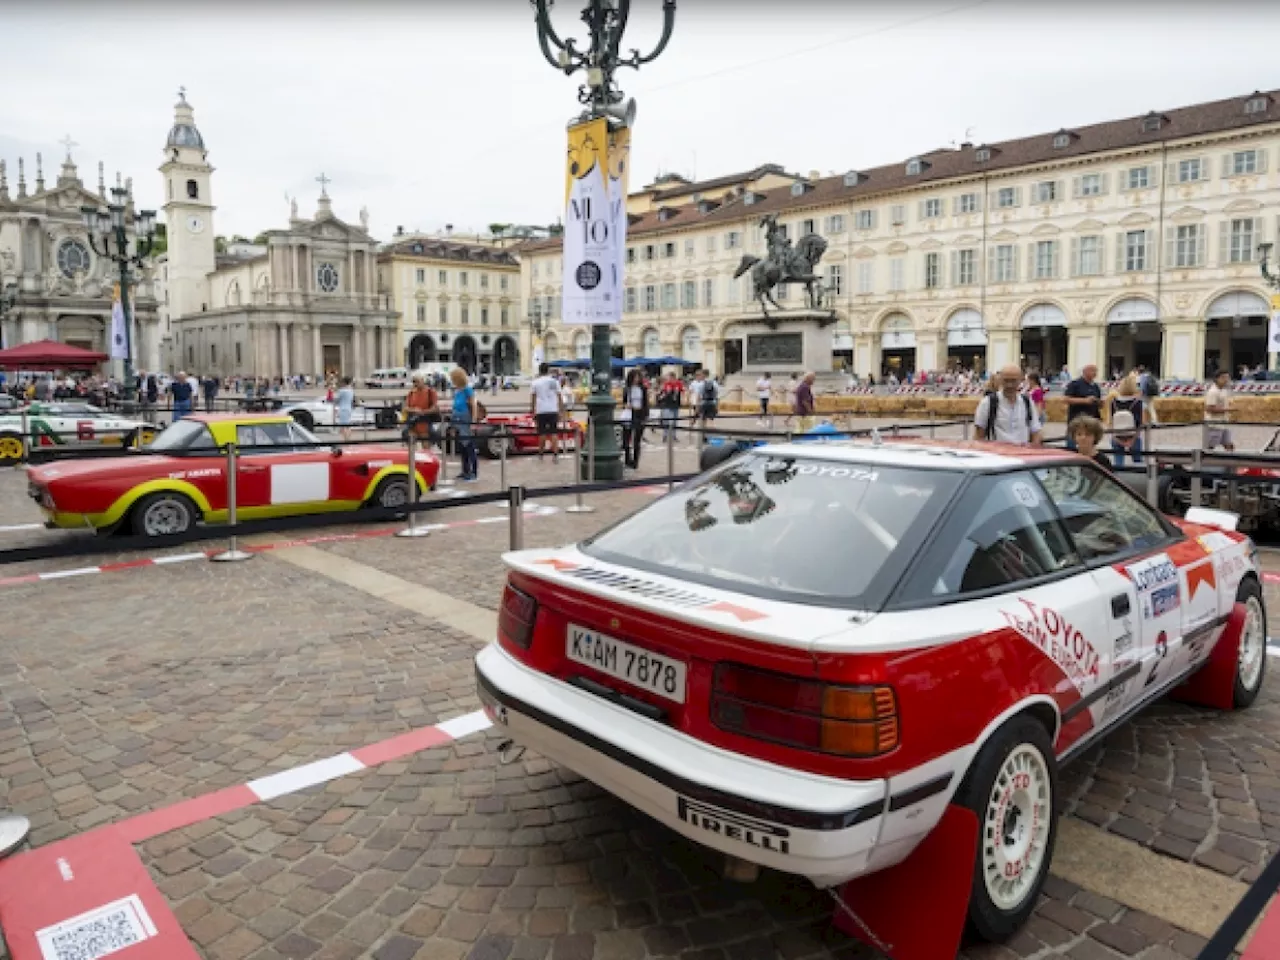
(438, 111)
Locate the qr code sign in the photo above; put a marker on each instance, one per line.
(98, 933)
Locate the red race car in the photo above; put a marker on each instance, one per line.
(809, 655)
(181, 478)
(519, 433)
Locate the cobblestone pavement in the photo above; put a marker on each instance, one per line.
(125, 692)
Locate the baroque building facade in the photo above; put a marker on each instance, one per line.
(1123, 242)
(64, 289)
(458, 302)
(303, 302)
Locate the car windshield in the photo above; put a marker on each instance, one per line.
(799, 529)
(183, 435)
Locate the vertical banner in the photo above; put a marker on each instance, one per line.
(591, 268)
(119, 348)
(619, 177)
(1273, 333)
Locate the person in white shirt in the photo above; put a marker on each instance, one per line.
(1008, 416)
(547, 408)
(1217, 403)
(764, 388)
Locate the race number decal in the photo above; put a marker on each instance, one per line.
(1025, 494)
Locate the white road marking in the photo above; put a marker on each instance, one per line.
(78, 572)
(468, 723)
(308, 775)
(14, 528)
(181, 558)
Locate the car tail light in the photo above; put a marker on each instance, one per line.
(516, 617)
(809, 714)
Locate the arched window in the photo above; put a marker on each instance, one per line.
(691, 344)
(651, 343)
(193, 190)
(582, 345)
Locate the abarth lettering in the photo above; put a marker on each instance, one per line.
(1057, 638)
(734, 826)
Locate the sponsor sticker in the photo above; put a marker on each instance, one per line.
(1164, 600)
(1057, 638)
(196, 474)
(1215, 540)
(1157, 581)
(1025, 494)
(1231, 569)
(749, 831)
(378, 464)
(836, 472)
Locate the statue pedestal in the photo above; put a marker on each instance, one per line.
(791, 341)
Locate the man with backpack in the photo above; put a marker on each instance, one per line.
(1149, 388)
(1006, 415)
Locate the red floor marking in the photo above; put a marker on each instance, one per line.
(46, 893)
(401, 746)
(1271, 577)
(186, 812)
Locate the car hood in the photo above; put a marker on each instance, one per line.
(106, 467)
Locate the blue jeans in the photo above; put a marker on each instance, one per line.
(467, 457)
(668, 417)
(1118, 453)
(181, 408)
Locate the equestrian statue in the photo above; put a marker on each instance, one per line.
(784, 263)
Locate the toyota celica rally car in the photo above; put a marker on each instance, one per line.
(803, 656)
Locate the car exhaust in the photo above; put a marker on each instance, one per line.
(741, 871)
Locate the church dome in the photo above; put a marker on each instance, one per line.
(183, 133)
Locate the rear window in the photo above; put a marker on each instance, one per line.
(797, 529)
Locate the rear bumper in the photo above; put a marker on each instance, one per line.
(820, 828)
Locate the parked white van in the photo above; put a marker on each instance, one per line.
(391, 377)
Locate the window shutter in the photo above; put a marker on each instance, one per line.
(874, 215)
(991, 264)
(1150, 249)
(920, 207)
(1120, 252)
(1017, 196)
(978, 201)
(955, 205)
(1224, 242)
(1170, 247)
(1262, 160)
(1259, 234)
(1075, 186)
(1031, 260)
(1204, 167)
(1226, 165)
(1102, 253)
(1105, 185)
(1075, 257)
(1055, 258)
(1153, 172)
(1202, 244)
(1171, 172)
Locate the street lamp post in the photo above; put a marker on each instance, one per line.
(103, 228)
(1273, 281)
(601, 98)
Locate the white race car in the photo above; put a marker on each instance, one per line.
(67, 423)
(807, 656)
(321, 413)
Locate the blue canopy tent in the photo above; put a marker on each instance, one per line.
(582, 364)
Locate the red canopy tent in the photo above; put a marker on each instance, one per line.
(49, 355)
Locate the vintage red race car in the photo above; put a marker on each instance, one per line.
(181, 479)
(519, 434)
(810, 656)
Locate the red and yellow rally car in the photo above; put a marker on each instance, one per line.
(181, 479)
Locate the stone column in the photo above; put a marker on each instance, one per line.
(317, 354)
(356, 359)
(284, 349)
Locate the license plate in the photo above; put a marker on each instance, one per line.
(660, 675)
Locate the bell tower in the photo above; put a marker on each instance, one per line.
(188, 212)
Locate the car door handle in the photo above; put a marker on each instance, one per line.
(1120, 605)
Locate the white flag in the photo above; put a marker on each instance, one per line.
(1273, 334)
(119, 345)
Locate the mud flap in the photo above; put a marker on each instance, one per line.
(882, 909)
(1214, 684)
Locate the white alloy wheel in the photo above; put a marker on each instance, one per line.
(1015, 827)
(164, 516)
(394, 493)
(1253, 643)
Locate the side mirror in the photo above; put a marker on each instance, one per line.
(335, 452)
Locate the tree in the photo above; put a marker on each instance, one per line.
(498, 229)
(160, 242)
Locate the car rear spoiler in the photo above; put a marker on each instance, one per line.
(1222, 519)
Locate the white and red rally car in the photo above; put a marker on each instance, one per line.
(803, 656)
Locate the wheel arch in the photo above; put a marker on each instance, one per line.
(123, 508)
(1040, 708)
(394, 470)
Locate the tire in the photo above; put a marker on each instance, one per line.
(392, 493)
(1251, 663)
(10, 449)
(160, 514)
(492, 445)
(716, 454)
(303, 418)
(1017, 825)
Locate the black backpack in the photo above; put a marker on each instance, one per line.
(993, 408)
(1151, 386)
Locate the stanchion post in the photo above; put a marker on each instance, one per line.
(515, 504)
(233, 551)
(933, 427)
(1197, 461)
(444, 480)
(671, 455)
(413, 530)
(1153, 481)
(504, 440)
(578, 506)
(26, 436)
